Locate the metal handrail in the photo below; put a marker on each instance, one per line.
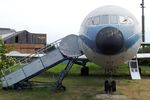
(26, 59)
(40, 51)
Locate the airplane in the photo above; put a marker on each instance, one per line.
(109, 36)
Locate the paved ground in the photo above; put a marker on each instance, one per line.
(111, 96)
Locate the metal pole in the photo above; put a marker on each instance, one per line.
(143, 21)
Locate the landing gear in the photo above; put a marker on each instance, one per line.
(84, 71)
(109, 86)
(113, 86)
(59, 86)
(22, 85)
(62, 75)
(5, 88)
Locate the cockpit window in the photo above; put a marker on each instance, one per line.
(89, 21)
(113, 19)
(125, 20)
(96, 20)
(104, 19)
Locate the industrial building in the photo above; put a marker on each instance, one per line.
(23, 41)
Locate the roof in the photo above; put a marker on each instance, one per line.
(6, 31)
(14, 34)
(4, 36)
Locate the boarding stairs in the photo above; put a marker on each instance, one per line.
(47, 58)
(63, 49)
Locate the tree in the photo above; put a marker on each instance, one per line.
(5, 61)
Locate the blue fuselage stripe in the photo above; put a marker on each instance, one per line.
(89, 37)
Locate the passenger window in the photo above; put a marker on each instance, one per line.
(96, 20)
(104, 19)
(113, 20)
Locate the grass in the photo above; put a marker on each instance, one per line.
(11, 69)
(84, 88)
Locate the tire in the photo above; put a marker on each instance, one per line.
(113, 86)
(84, 71)
(106, 86)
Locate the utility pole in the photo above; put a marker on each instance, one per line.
(143, 21)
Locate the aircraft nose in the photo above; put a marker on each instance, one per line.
(109, 40)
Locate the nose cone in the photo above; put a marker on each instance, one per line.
(109, 40)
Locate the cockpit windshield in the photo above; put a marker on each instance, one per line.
(125, 20)
(114, 19)
(104, 19)
(108, 19)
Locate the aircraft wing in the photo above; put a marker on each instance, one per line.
(23, 55)
(145, 43)
(143, 55)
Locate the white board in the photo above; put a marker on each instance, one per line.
(134, 69)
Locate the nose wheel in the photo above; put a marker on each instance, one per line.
(84, 71)
(109, 86)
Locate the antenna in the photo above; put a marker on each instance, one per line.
(143, 21)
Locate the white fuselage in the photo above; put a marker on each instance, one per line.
(110, 36)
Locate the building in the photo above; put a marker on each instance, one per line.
(23, 41)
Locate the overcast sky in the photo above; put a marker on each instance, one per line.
(58, 18)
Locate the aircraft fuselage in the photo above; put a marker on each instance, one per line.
(110, 36)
